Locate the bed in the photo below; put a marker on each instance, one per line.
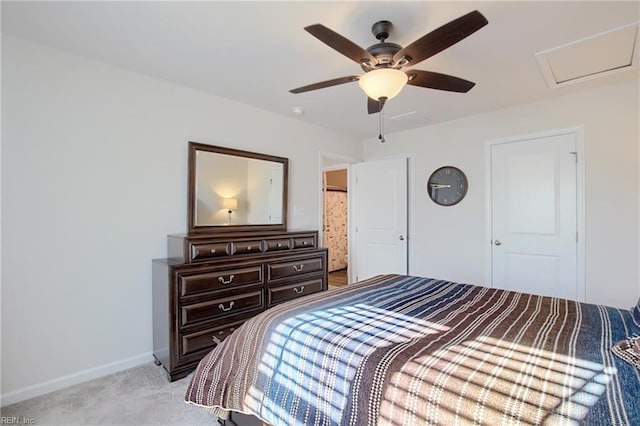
(409, 350)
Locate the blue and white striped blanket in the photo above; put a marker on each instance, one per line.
(408, 350)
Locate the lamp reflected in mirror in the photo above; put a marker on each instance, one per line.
(230, 204)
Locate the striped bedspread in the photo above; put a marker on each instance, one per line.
(408, 350)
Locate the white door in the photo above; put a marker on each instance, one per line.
(534, 221)
(380, 204)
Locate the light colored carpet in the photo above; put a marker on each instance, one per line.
(138, 396)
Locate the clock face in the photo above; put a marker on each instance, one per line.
(447, 186)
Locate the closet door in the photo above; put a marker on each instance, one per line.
(533, 210)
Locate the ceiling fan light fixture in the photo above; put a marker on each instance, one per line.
(383, 83)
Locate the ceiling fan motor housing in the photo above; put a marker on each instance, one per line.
(383, 51)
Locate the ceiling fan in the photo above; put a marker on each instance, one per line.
(382, 62)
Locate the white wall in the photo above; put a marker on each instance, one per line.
(94, 171)
(217, 179)
(450, 242)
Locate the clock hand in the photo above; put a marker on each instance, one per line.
(439, 185)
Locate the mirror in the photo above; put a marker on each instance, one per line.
(233, 190)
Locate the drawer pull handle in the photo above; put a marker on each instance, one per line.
(304, 243)
(299, 290)
(223, 281)
(279, 244)
(298, 268)
(216, 340)
(224, 308)
(213, 251)
(249, 248)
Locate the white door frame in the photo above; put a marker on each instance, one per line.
(580, 200)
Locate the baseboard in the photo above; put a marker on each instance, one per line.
(74, 379)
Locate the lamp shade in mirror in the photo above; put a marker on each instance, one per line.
(229, 203)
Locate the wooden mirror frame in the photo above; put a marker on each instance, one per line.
(191, 190)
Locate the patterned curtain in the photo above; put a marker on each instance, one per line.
(335, 233)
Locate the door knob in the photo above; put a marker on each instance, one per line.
(401, 237)
(497, 242)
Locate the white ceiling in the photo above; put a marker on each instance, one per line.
(254, 52)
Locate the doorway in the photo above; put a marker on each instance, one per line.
(378, 212)
(535, 222)
(335, 214)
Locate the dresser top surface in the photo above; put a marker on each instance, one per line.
(244, 234)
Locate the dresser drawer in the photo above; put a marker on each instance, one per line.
(207, 339)
(247, 247)
(304, 242)
(209, 251)
(279, 244)
(215, 308)
(287, 292)
(198, 283)
(291, 269)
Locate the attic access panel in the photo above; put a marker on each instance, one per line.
(595, 56)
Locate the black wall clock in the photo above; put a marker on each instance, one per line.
(447, 186)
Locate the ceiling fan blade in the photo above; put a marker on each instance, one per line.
(434, 80)
(341, 44)
(328, 83)
(441, 38)
(374, 106)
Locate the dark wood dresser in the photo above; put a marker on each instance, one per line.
(211, 284)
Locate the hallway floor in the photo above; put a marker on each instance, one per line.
(338, 278)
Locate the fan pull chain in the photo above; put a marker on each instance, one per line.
(381, 124)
